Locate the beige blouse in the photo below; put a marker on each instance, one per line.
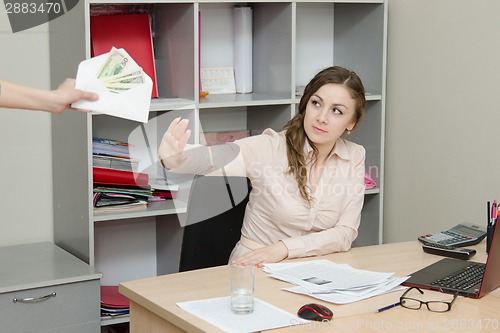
(276, 211)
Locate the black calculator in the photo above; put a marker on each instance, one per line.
(448, 251)
(460, 235)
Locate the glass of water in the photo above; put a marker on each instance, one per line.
(242, 288)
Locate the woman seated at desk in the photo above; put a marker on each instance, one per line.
(307, 181)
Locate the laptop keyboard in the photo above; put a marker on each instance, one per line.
(464, 279)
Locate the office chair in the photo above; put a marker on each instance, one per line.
(216, 207)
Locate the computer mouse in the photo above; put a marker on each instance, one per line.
(313, 311)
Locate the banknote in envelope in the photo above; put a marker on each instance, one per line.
(118, 72)
(123, 87)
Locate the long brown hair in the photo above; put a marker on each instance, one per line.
(295, 133)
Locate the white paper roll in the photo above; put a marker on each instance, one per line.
(243, 49)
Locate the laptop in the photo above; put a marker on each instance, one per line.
(465, 278)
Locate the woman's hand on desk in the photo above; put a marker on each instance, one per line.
(268, 254)
(173, 143)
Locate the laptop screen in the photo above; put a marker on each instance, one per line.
(491, 278)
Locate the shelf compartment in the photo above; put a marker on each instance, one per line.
(370, 230)
(271, 48)
(361, 46)
(344, 34)
(120, 254)
(174, 35)
(158, 208)
(369, 134)
(255, 119)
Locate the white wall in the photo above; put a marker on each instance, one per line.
(443, 116)
(25, 137)
(442, 121)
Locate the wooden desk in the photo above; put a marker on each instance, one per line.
(153, 301)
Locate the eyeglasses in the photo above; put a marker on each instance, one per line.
(434, 306)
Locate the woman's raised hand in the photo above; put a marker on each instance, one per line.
(173, 143)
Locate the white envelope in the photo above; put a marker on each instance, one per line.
(132, 104)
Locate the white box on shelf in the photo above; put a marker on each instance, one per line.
(218, 80)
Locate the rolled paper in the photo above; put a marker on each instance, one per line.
(243, 49)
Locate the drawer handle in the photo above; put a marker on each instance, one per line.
(34, 299)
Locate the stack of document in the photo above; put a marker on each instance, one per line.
(113, 303)
(334, 283)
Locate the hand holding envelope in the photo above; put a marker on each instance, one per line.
(123, 87)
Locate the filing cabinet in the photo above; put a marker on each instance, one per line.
(45, 289)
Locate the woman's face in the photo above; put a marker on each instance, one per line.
(329, 112)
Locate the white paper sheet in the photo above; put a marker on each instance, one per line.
(334, 283)
(346, 297)
(326, 276)
(217, 311)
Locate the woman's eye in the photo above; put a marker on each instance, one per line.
(337, 111)
(315, 103)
